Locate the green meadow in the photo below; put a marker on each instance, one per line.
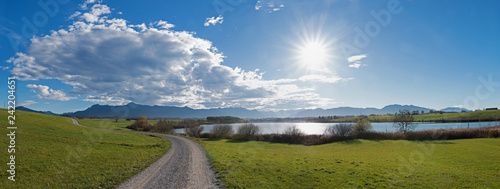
(469, 163)
(52, 152)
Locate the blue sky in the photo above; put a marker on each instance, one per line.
(265, 55)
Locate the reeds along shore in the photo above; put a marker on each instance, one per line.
(431, 134)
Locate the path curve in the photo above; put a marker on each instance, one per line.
(184, 166)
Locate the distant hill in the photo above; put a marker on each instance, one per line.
(455, 109)
(345, 111)
(22, 108)
(136, 110)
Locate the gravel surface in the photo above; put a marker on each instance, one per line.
(184, 166)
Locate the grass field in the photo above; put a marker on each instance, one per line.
(51, 152)
(112, 124)
(470, 163)
(108, 123)
(490, 114)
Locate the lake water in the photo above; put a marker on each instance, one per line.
(319, 128)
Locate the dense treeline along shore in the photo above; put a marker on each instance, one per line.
(439, 117)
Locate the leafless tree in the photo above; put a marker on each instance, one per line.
(404, 121)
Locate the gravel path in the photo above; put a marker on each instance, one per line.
(184, 166)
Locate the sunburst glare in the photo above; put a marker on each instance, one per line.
(313, 53)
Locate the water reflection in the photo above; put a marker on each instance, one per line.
(319, 128)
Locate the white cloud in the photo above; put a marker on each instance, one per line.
(95, 14)
(106, 100)
(164, 24)
(214, 20)
(269, 5)
(88, 2)
(322, 79)
(27, 103)
(355, 65)
(356, 60)
(4, 67)
(111, 61)
(46, 93)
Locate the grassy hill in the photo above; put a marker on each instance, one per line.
(489, 115)
(52, 152)
(468, 163)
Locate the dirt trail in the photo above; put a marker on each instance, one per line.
(184, 166)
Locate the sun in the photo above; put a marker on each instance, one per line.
(313, 54)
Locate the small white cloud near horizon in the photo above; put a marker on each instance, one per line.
(27, 103)
(322, 79)
(214, 20)
(356, 60)
(46, 93)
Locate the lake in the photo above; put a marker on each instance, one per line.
(319, 128)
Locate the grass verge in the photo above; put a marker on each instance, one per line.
(52, 152)
(466, 163)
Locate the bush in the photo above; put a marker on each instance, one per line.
(222, 131)
(141, 124)
(293, 131)
(292, 135)
(342, 129)
(248, 130)
(363, 125)
(193, 131)
(163, 126)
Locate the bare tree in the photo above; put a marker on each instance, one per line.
(222, 130)
(342, 129)
(193, 131)
(248, 130)
(404, 121)
(293, 131)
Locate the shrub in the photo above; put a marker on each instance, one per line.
(342, 129)
(292, 135)
(141, 124)
(163, 126)
(248, 130)
(222, 131)
(363, 125)
(293, 131)
(193, 131)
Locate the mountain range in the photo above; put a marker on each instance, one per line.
(137, 110)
